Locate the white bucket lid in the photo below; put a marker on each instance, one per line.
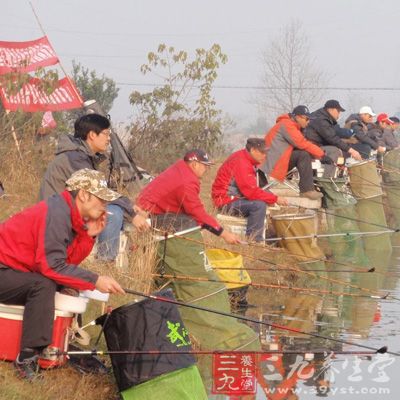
(95, 295)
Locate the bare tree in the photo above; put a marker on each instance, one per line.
(291, 76)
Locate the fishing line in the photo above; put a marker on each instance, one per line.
(380, 350)
(335, 281)
(272, 286)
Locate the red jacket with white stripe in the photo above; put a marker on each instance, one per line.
(236, 178)
(281, 139)
(177, 190)
(49, 238)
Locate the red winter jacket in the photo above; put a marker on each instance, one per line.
(49, 238)
(236, 178)
(177, 190)
(281, 139)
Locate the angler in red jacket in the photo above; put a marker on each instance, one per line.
(288, 148)
(40, 249)
(176, 192)
(235, 189)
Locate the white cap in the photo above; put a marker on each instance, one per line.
(367, 110)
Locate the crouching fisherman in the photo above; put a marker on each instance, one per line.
(40, 249)
(176, 192)
(175, 206)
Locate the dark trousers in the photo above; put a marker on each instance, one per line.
(363, 148)
(254, 211)
(36, 293)
(302, 161)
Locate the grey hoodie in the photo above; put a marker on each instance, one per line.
(71, 155)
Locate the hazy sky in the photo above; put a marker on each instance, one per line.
(355, 41)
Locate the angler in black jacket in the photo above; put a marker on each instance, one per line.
(363, 140)
(321, 131)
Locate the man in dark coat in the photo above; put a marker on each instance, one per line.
(86, 150)
(362, 139)
(321, 131)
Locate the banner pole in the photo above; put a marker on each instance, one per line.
(59, 61)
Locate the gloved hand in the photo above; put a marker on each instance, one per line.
(326, 160)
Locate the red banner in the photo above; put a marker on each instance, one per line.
(31, 98)
(234, 373)
(26, 56)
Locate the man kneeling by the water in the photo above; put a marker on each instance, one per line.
(176, 192)
(40, 249)
(235, 189)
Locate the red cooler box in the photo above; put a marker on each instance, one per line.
(11, 331)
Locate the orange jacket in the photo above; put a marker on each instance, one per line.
(281, 139)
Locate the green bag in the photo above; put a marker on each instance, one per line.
(185, 255)
(336, 193)
(183, 384)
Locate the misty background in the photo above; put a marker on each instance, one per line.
(353, 43)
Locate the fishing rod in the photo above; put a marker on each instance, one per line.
(327, 235)
(207, 352)
(391, 230)
(371, 183)
(381, 350)
(370, 270)
(336, 281)
(383, 204)
(273, 286)
(285, 268)
(313, 259)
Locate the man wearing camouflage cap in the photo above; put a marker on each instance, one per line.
(41, 248)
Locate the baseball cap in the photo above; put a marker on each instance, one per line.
(198, 155)
(334, 104)
(367, 110)
(395, 120)
(93, 182)
(256, 143)
(301, 110)
(384, 118)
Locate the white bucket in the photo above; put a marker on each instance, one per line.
(95, 295)
(236, 225)
(70, 304)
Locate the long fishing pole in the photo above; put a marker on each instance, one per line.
(336, 281)
(207, 352)
(313, 259)
(356, 267)
(383, 204)
(271, 286)
(327, 235)
(288, 269)
(281, 267)
(371, 183)
(357, 220)
(380, 350)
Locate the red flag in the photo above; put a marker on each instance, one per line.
(26, 56)
(31, 97)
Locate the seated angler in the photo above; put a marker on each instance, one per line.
(383, 132)
(173, 197)
(41, 248)
(288, 148)
(86, 149)
(321, 131)
(362, 140)
(235, 189)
